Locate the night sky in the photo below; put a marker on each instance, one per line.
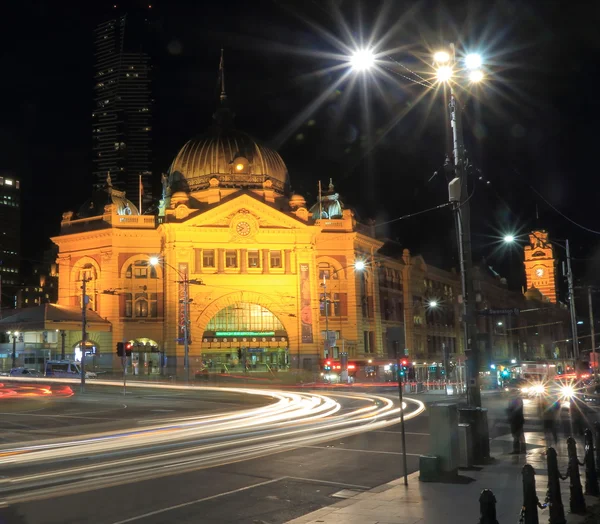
(531, 127)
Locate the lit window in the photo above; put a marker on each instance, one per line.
(276, 259)
(231, 259)
(208, 258)
(253, 259)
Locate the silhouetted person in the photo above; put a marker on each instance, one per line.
(516, 419)
(550, 414)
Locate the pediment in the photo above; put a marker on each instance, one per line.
(539, 254)
(247, 209)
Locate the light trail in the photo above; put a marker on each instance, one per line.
(180, 444)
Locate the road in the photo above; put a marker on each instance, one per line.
(281, 459)
(236, 471)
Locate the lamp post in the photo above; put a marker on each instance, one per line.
(15, 336)
(359, 265)
(451, 73)
(185, 281)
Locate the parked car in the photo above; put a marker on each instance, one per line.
(66, 369)
(24, 372)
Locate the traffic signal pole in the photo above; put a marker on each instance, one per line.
(402, 429)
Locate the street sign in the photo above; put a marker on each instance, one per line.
(499, 312)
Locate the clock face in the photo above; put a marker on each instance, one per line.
(242, 229)
(539, 272)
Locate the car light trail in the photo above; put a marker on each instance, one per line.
(174, 445)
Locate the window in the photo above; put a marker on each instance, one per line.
(231, 259)
(276, 259)
(140, 269)
(253, 259)
(366, 341)
(208, 258)
(144, 305)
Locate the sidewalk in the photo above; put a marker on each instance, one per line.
(458, 501)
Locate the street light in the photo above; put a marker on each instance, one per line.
(446, 69)
(185, 280)
(362, 60)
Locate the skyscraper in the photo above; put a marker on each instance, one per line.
(122, 117)
(10, 238)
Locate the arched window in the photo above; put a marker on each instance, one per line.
(140, 269)
(244, 317)
(89, 274)
(142, 305)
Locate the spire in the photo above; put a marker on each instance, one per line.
(223, 116)
(223, 96)
(108, 180)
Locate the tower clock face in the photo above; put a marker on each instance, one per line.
(539, 272)
(242, 229)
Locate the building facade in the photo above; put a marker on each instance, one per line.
(261, 279)
(122, 116)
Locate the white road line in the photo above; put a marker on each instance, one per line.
(330, 483)
(192, 502)
(398, 432)
(363, 450)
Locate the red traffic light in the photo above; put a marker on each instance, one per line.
(404, 362)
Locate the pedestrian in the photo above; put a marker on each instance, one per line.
(550, 415)
(516, 419)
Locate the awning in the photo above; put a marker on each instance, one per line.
(51, 317)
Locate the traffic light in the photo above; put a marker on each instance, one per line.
(128, 347)
(120, 349)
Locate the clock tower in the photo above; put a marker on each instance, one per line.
(540, 264)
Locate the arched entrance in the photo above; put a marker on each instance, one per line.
(146, 358)
(245, 337)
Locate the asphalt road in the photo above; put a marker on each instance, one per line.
(271, 489)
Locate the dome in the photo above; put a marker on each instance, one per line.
(232, 157)
(534, 294)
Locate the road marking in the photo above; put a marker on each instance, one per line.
(330, 483)
(399, 433)
(192, 502)
(363, 450)
(162, 410)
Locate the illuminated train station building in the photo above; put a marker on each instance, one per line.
(256, 257)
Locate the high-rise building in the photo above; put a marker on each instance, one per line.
(122, 117)
(10, 238)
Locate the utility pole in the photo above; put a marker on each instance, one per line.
(326, 306)
(84, 303)
(186, 323)
(463, 225)
(593, 335)
(572, 302)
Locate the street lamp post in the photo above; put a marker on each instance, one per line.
(458, 188)
(185, 281)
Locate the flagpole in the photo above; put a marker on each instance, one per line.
(320, 202)
(140, 191)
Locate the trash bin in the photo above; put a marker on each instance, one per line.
(429, 468)
(466, 446)
(477, 419)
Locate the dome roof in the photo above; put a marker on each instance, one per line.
(229, 155)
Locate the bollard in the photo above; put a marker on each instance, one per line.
(576, 502)
(597, 428)
(487, 507)
(531, 503)
(591, 478)
(553, 497)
